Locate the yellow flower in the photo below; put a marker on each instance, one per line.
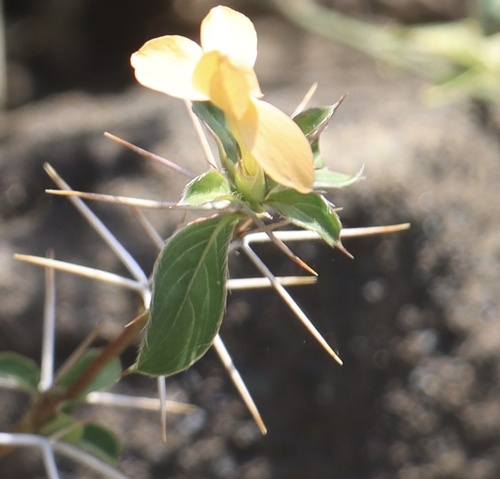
(222, 71)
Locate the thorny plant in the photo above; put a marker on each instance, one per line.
(269, 171)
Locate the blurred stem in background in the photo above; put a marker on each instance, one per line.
(3, 64)
(488, 13)
(460, 58)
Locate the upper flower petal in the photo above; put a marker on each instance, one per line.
(278, 145)
(167, 64)
(230, 33)
(229, 86)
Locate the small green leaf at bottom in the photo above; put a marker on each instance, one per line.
(189, 296)
(21, 370)
(100, 442)
(91, 437)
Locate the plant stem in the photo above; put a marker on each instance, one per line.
(110, 352)
(45, 406)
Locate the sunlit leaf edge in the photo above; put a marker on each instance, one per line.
(325, 178)
(208, 187)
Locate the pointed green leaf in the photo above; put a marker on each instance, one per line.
(108, 376)
(324, 178)
(20, 369)
(215, 120)
(313, 121)
(206, 188)
(310, 211)
(189, 296)
(100, 442)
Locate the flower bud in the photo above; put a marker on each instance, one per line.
(250, 180)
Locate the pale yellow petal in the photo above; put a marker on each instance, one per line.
(230, 33)
(206, 68)
(167, 64)
(230, 87)
(278, 145)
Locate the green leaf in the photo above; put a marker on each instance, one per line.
(208, 187)
(324, 178)
(65, 426)
(20, 369)
(310, 211)
(313, 121)
(100, 442)
(215, 120)
(189, 296)
(92, 438)
(107, 377)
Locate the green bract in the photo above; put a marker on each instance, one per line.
(206, 188)
(310, 211)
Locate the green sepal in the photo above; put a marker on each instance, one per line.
(325, 178)
(189, 296)
(310, 211)
(23, 371)
(108, 376)
(206, 188)
(252, 188)
(214, 118)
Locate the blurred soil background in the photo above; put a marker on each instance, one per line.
(415, 316)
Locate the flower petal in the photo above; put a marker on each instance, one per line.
(230, 87)
(278, 145)
(167, 64)
(230, 33)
